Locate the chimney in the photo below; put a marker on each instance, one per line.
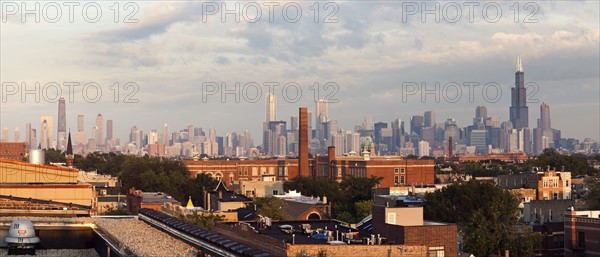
(450, 147)
(303, 168)
(207, 203)
(330, 153)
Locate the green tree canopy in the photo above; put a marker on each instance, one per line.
(486, 214)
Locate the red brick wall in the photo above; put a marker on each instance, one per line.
(13, 150)
(428, 235)
(356, 250)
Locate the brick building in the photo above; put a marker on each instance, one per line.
(549, 185)
(13, 150)
(136, 200)
(582, 233)
(395, 170)
(400, 220)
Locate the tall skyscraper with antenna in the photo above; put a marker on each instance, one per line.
(519, 112)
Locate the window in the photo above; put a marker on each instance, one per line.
(581, 239)
(254, 171)
(391, 218)
(396, 170)
(245, 171)
(396, 180)
(566, 183)
(436, 251)
(559, 241)
(402, 182)
(275, 192)
(402, 171)
(556, 183)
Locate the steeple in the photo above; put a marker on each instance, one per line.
(69, 153)
(519, 64)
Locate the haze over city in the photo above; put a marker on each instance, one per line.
(371, 51)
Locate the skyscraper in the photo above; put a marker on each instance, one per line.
(62, 124)
(429, 119)
(80, 122)
(28, 135)
(321, 117)
(99, 136)
(519, 112)
(165, 135)
(109, 129)
(4, 134)
(17, 134)
(271, 106)
(416, 123)
(544, 121)
(481, 112)
(47, 136)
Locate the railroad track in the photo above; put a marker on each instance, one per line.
(210, 243)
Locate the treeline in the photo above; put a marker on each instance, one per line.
(350, 198)
(577, 164)
(143, 173)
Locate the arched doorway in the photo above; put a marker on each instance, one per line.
(314, 216)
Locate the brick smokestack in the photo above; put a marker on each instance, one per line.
(450, 147)
(330, 154)
(303, 169)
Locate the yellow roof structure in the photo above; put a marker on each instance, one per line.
(190, 205)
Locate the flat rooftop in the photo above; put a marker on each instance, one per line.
(336, 227)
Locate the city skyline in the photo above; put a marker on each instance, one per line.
(366, 65)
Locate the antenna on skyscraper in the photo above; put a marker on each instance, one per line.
(519, 64)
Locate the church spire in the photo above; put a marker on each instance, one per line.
(69, 153)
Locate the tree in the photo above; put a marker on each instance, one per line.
(592, 198)
(271, 207)
(486, 215)
(363, 209)
(359, 189)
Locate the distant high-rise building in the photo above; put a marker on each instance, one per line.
(47, 140)
(543, 135)
(212, 135)
(544, 121)
(424, 148)
(519, 112)
(165, 135)
(191, 133)
(29, 136)
(4, 134)
(62, 125)
(271, 107)
(294, 123)
(109, 130)
(80, 123)
(152, 137)
(321, 117)
(17, 134)
(481, 113)
(99, 136)
(352, 142)
(44, 141)
(416, 123)
(429, 119)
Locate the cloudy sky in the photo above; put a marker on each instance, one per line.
(363, 56)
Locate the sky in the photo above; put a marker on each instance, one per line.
(148, 63)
